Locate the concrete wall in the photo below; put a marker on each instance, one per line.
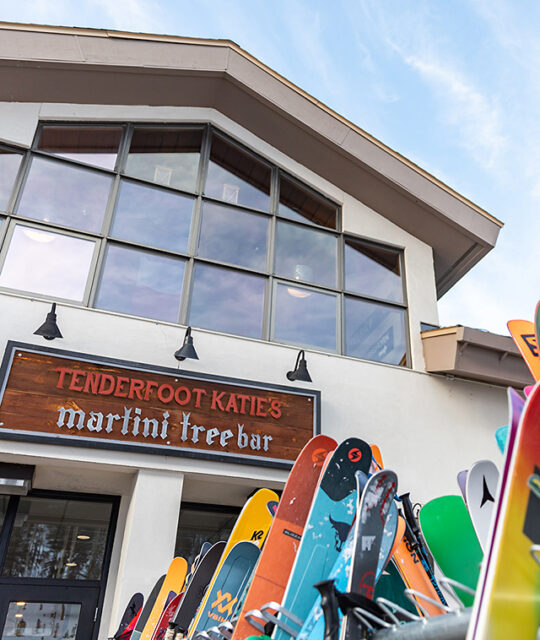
(428, 427)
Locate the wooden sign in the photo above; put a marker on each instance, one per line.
(86, 401)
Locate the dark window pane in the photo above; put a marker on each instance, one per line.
(9, 166)
(233, 236)
(40, 620)
(298, 203)
(93, 145)
(65, 194)
(227, 300)
(236, 176)
(168, 157)
(373, 271)
(55, 538)
(153, 216)
(375, 332)
(52, 264)
(196, 526)
(141, 283)
(305, 317)
(305, 254)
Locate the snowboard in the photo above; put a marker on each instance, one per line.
(271, 576)
(508, 603)
(147, 609)
(196, 589)
(375, 504)
(450, 536)
(174, 581)
(133, 607)
(462, 483)
(327, 527)
(227, 586)
(524, 334)
(481, 490)
(252, 525)
(166, 616)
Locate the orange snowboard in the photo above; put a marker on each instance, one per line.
(279, 552)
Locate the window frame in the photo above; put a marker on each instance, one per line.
(104, 237)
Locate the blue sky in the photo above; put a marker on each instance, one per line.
(454, 86)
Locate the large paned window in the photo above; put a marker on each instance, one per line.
(179, 223)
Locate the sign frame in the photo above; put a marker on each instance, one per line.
(20, 435)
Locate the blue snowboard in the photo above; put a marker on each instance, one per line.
(328, 524)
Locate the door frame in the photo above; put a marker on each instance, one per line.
(50, 585)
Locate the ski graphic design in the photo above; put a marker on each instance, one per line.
(227, 586)
(252, 525)
(328, 524)
(524, 334)
(166, 616)
(377, 499)
(133, 607)
(481, 490)
(174, 581)
(508, 603)
(283, 541)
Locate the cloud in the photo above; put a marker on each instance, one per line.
(476, 118)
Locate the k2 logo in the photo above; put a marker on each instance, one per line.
(257, 535)
(355, 455)
(229, 603)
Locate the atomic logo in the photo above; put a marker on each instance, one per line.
(318, 456)
(355, 455)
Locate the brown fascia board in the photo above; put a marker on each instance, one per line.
(85, 66)
(476, 355)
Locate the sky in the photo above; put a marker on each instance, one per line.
(453, 85)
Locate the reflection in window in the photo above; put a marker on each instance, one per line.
(373, 271)
(305, 317)
(51, 264)
(298, 203)
(55, 538)
(141, 283)
(237, 177)
(9, 166)
(198, 524)
(95, 145)
(151, 216)
(166, 156)
(305, 254)
(233, 236)
(227, 300)
(65, 194)
(39, 620)
(375, 332)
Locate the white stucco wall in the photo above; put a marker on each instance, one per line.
(427, 427)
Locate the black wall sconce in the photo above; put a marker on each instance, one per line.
(300, 369)
(49, 329)
(187, 350)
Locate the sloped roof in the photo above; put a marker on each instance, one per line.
(64, 64)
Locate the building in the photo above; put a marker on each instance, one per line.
(148, 183)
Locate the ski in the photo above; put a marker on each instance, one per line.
(283, 541)
(328, 524)
(481, 490)
(133, 607)
(524, 334)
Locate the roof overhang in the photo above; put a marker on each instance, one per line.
(90, 66)
(476, 355)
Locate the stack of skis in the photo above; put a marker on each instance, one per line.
(341, 556)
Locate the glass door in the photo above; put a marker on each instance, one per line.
(54, 555)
